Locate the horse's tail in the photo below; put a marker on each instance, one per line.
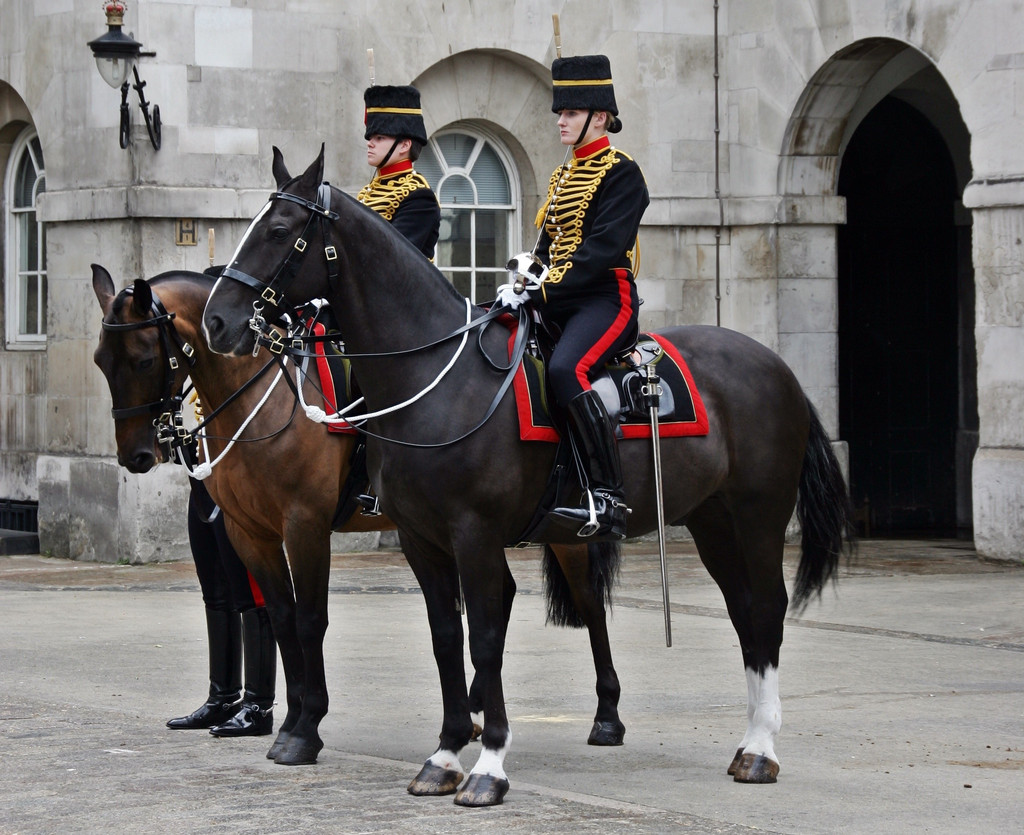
(825, 514)
(602, 572)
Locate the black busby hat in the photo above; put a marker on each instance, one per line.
(394, 111)
(583, 82)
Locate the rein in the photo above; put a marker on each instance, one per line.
(292, 345)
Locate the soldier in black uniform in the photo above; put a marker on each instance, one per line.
(589, 228)
(240, 636)
(395, 135)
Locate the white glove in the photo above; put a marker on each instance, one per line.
(508, 297)
(527, 270)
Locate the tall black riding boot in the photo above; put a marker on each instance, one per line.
(255, 717)
(594, 436)
(224, 634)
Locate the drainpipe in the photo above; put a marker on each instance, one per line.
(718, 190)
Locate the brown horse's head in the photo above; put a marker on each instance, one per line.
(134, 359)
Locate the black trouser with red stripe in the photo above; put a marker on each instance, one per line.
(594, 329)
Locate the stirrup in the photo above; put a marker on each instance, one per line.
(370, 503)
(592, 526)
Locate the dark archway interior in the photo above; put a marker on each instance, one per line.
(907, 384)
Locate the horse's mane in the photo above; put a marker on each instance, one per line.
(411, 256)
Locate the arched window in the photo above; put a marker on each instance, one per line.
(25, 273)
(472, 177)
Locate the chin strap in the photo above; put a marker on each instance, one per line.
(586, 127)
(387, 156)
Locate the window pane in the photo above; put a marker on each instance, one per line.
(456, 148)
(454, 243)
(462, 282)
(429, 166)
(487, 285)
(492, 246)
(30, 304)
(24, 182)
(490, 177)
(458, 189)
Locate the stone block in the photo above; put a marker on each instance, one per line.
(223, 37)
(1001, 385)
(807, 251)
(998, 486)
(812, 356)
(808, 305)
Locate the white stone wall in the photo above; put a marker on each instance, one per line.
(232, 80)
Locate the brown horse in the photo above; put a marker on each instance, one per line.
(281, 485)
(453, 474)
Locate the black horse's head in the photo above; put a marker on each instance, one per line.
(271, 261)
(133, 358)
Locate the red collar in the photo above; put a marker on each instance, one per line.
(395, 168)
(592, 148)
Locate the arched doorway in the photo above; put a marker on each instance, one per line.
(905, 292)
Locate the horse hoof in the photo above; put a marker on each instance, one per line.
(735, 762)
(482, 790)
(278, 746)
(606, 733)
(434, 781)
(477, 730)
(755, 768)
(297, 751)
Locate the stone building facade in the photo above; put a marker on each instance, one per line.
(841, 179)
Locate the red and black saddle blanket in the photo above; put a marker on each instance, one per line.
(680, 410)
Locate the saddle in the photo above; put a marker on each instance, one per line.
(621, 387)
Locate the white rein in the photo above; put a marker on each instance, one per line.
(318, 415)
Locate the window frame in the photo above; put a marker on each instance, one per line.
(513, 208)
(14, 244)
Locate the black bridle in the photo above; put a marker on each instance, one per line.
(272, 292)
(169, 403)
(171, 433)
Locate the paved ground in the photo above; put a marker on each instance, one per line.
(903, 700)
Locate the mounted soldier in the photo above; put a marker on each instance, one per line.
(581, 273)
(395, 135)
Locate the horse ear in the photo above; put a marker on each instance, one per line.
(281, 175)
(314, 175)
(102, 286)
(142, 297)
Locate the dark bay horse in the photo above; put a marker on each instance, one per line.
(460, 487)
(282, 487)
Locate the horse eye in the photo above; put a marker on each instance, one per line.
(279, 232)
(146, 364)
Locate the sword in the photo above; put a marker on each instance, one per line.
(651, 394)
(369, 60)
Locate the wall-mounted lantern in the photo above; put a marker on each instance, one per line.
(117, 55)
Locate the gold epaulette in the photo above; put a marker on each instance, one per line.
(385, 196)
